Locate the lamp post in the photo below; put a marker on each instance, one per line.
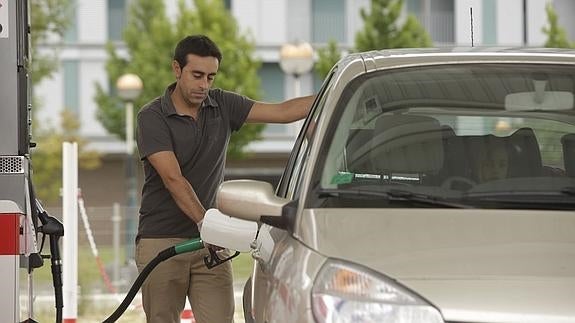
(296, 59)
(129, 88)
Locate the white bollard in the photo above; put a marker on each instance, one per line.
(70, 239)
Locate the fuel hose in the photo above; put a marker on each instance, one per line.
(186, 246)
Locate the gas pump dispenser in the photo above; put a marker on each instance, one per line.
(21, 216)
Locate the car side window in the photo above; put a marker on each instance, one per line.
(293, 174)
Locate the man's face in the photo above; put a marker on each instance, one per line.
(494, 165)
(196, 78)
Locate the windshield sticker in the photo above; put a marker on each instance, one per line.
(342, 178)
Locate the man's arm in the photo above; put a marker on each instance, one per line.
(167, 166)
(284, 112)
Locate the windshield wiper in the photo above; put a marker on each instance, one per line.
(526, 199)
(394, 195)
(568, 190)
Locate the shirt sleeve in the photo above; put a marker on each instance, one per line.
(152, 133)
(236, 106)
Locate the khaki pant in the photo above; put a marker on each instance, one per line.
(210, 291)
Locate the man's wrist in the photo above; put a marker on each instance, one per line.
(199, 225)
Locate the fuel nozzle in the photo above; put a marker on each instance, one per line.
(55, 229)
(214, 258)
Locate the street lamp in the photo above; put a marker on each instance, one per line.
(295, 60)
(129, 88)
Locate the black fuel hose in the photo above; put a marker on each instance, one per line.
(186, 246)
(55, 229)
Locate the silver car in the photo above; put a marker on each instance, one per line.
(425, 186)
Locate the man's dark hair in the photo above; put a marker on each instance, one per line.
(199, 45)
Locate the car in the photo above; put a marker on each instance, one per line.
(426, 185)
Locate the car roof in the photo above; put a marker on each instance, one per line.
(387, 58)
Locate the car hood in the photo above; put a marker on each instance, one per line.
(474, 265)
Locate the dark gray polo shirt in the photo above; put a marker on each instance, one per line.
(200, 147)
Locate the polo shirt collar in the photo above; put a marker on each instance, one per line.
(168, 107)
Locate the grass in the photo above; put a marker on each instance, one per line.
(242, 266)
(89, 274)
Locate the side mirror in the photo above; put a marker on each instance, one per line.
(249, 199)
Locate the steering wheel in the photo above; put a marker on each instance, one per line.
(448, 182)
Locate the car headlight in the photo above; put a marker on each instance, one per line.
(345, 292)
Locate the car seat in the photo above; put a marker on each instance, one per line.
(407, 144)
(568, 143)
(524, 154)
(454, 161)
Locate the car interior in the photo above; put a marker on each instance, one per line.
(418, 149)
(401, 131)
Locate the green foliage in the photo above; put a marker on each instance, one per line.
(382, 30)
(556, 36)
(47, 158)
(150, 39)
(327, 58)
(47, 17)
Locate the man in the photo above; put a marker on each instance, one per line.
(182, 139)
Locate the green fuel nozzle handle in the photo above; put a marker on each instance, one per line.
(189, 245)
(211, 261)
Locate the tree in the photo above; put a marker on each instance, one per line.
(327, 58)
(51, 17)
(47, 17)
(556, 36)
(150, 57)
(47, 159)
(382, 30)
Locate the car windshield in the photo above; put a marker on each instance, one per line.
(488, 135)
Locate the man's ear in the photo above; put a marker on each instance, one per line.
(176, 68)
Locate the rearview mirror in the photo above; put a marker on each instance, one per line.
(539, 99)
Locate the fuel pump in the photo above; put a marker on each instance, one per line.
(20, 218)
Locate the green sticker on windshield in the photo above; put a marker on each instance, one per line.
(342, 178)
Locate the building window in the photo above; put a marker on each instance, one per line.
(413, 6)
(71, 34)
(272, 84)
(328, 21)
(489, 22)
(116, 19)
(437, 17)
(228, 4)
(71, 88)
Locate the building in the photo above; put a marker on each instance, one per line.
(82, 58)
